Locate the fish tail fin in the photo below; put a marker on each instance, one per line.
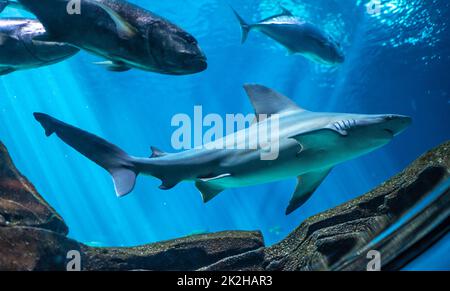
(119, 164)
(11, 4)
(245, 27)
(3, 5)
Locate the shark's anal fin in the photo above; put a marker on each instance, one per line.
(168, 184)
(208, 190)
(306, 185)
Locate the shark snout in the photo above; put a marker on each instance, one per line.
(380, 125)
(396, 124)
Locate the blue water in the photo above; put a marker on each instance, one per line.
(396, 62)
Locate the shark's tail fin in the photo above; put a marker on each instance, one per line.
(245, 27)
(119, 164)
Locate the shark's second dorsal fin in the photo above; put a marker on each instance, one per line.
(156, 153)
(266, 101)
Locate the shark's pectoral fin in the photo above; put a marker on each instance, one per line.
(266, 101)
(313, 139)
(124, 28)
(306, 185)
(114, 66)
(208, 190)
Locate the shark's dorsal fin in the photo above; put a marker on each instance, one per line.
(156, 153)
(266, 101)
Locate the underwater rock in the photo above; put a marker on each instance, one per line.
(330, 239)
(33, 249)
(20, 204)
(249, 261)
(33, 237)
(400, 219)
(188, 253)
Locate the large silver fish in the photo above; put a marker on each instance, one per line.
(298, 37)
(125, 34)
(19, 50)
(310, 145)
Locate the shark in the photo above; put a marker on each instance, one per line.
(310, 145)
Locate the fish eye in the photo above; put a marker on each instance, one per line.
(189, 38)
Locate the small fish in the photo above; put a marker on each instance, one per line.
(297, 36)
(276, 230)
(18, 50)
(126, 35)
